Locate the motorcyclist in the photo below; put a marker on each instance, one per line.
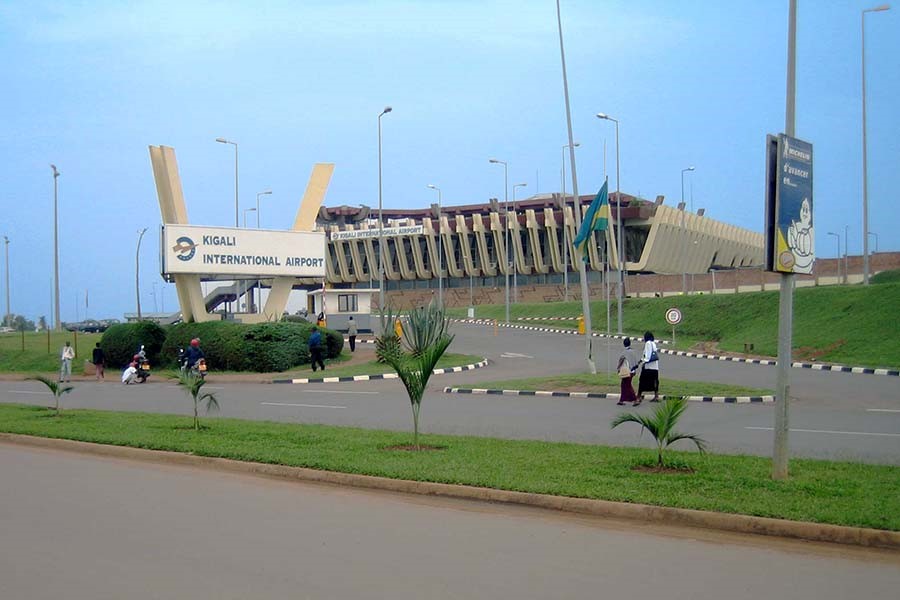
(193, 353)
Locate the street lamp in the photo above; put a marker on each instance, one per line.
(440, 246)
(494, 161)
(244, 285)
(684, 259)
(137, 271)
(838, 236)
(881, 8)
(620, 226)
(8, 311)
(258, 194)
(876, 240)
(246, 210)
(386, 110)
(56, 323)
(565, 229)
(224, 141)
(516, 215)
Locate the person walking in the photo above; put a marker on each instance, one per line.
(315, 349)
(626, 367)
(649, 380)
(99, 361)
(352, 333)
(65, 367)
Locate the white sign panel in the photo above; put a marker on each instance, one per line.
(361, 234)
(243, 252)
(673, 316)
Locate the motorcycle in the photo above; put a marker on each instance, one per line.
(198, 369)
(143, 370)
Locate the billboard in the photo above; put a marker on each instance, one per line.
(790, 232)
(361, 234)
(251, 253)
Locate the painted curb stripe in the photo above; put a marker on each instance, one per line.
(613, 396)
(348, 378)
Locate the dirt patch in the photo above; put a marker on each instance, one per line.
(663, 470)
(808, 353)
(413, 448)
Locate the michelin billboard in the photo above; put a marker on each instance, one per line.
(790, 232)
(251, 253)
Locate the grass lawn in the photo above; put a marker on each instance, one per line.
(36, 357)
(841, 324)
(604, 382)
(818, 491)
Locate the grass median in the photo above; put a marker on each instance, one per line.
(606, 383)
(839, 493)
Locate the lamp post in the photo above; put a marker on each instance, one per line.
(565, 228)
(838, 236)
(620, 226)
(56, 322)
(246, 210)
(137, 271)
(440, 246)
(494, 161)
(224, 141)
(386, 110)
(248, 306)
(865, 165)
(258, 194)
(8, 311)
(516, 215)
(876, 240)
(683, 260)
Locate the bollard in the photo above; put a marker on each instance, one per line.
(581, 324)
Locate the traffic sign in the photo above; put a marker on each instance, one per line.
(673, 316)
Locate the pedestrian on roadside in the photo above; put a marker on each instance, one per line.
(626, 367)
(129, 375)
(649, 380)
(351, 333)
(315, 349)
(99, 361)
(65, 367)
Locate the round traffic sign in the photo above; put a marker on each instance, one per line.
(673, 316)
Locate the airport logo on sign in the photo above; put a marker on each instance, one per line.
(184, 248)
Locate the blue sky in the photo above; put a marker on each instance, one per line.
(89, 85)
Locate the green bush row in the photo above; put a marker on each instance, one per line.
(265, 347)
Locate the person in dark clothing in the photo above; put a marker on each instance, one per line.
(99, 361)
(193, 353)
(352, 332)
(315, 349)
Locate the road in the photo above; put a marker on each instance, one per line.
(834, 415)
(77, 526)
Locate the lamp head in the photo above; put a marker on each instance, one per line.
(55, 172)
(879, 8)
(432, 186)
(386, 110)
(690, 168)
(222, 140)
(602, 116)
(521, 185)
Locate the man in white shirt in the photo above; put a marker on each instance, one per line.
(129, 375)
(65, 367)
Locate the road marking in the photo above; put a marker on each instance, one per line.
(828, 431)
(29, 392)
(334, 392)
(205, 387)
(514, 355)
(890, 410)
(300, 405)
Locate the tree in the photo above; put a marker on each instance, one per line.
(18, 322)
(42, 323)
(426, 337)
(193, 385)
(661, 425)
(56, 388)
(387, 343)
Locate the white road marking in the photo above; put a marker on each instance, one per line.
(514, 355)
(334, 392)
(300, 405)
(829, 431)
(29, 392)
(889, 410)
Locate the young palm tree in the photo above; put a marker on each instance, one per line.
(428, 326)
(193, 384)
(661, 425)
(57, 389)
(386, 342)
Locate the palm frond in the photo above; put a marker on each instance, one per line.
(212, 403)
(645, 422)
(701, 444)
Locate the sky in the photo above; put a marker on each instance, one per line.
(89, 85)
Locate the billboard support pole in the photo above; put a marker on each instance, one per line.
(786, 293)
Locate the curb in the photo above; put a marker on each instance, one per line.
(348, 378)
(708, 399)
(837, 534)
(551, 329)
(684, 353)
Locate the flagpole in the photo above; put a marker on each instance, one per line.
(582, 271)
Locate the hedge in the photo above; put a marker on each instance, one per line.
(122, 341)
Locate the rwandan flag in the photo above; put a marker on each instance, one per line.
(595, 219)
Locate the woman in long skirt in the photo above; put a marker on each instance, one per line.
(629, 361)
(649, 381)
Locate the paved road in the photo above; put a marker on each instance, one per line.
(76, 526)
(837, 415)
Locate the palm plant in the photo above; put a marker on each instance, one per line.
(386, 342)
(661, 425)
(193, 385)
(428, 328)
(56, 388)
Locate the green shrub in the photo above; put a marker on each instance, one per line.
(892, 276)
(121, 342)
(264, 347)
